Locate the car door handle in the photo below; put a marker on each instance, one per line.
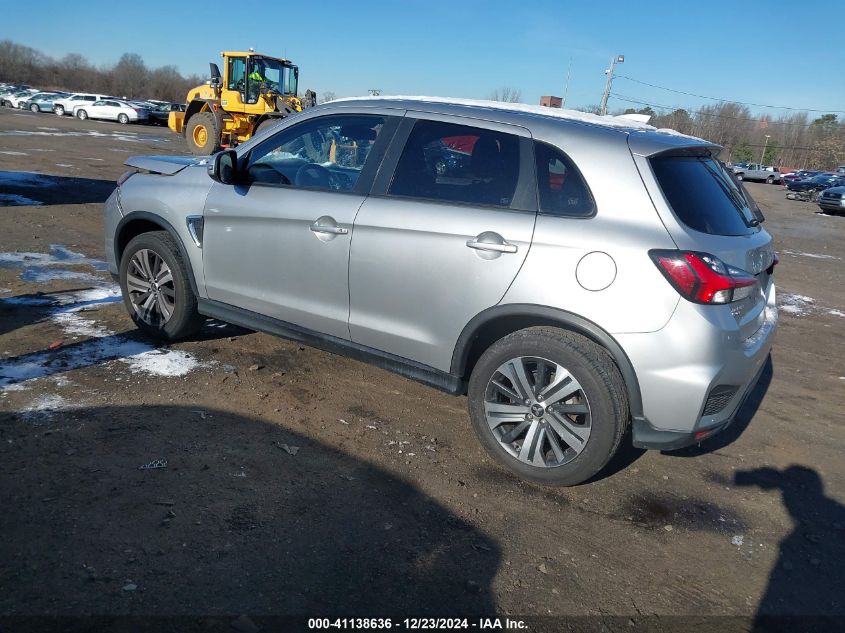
(334, 230)
(496, 248)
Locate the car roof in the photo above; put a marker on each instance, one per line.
(643, 138)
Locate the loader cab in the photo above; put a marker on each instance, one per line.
(249, 75)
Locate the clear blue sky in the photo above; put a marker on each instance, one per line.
(777, 53)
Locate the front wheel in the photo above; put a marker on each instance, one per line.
(81, 115)
(548, 404)
(59, 110)
(202, 134)
(156, 288)
(740, 176)
(122, 118)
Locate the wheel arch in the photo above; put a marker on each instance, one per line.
(138, 222)
(492, 324)
(204, 105)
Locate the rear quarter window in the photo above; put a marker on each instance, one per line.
(703, 196)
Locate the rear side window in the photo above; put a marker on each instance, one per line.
(562, 189)
(703, 196)
(458, 163)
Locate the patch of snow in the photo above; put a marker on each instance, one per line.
(163, 362)
(39, 275)
(13, 200)
(5, 291)
(20, 386)
(797, 305)
(737, 540)
(65, 309)
(838, 313)
(58, 254)
(63, 165)
(118, 136)
(43, 407)
(8, 153)
(813, 255)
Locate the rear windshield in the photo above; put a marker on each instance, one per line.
(704, 196)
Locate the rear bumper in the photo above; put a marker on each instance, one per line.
(646, 436)
(695, 373)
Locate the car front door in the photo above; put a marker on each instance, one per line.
(277, 244)
(442, 236)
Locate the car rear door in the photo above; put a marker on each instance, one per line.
(442, 236)
(278, 243)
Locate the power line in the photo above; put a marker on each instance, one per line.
(703, 113)
(756, 105)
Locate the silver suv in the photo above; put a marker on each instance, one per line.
(576, 277)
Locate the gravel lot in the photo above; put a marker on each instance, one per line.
(297, 482)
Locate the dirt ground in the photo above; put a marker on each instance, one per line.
(298, 482)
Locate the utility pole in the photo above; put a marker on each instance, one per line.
(566, 89)
(609, 72)
(766, 144)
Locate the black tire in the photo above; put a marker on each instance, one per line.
(81, 114)
(122, 118)
(602, 384)
(770, 180)
(185, 320)
(740, 176)
(34, 108)
(263, 125)
(212, 142)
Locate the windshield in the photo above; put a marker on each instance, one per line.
(823, 179)
(279, 77)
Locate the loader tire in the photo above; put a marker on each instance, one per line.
(202, 134)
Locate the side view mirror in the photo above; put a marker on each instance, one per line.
(223, 167)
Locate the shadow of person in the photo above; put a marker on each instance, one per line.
(740, 422)
(806, 586)
(247, 517)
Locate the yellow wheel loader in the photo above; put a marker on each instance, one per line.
(254, 90)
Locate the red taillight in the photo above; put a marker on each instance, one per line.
(703, 278)
(124, 177)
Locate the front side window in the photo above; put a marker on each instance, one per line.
(325, 153)
(561, 188)
(237, 72)
(457, 163)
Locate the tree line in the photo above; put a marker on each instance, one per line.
(129, 77)
(793, 140)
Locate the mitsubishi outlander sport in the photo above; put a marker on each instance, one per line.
(575, 276)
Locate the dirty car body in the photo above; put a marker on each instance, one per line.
(520, 257)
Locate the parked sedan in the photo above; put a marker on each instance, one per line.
(812, 187)
(42, 101)
(833, 200)
(803, 174)
(112, 110)
(159, 115)
(15, 99)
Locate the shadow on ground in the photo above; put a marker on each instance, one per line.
(805, 590)
(247, 517)
(22, 188)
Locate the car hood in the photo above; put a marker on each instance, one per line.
(166, 165)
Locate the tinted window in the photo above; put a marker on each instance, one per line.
(562, 189)
(324, 153)
(702, 195)
(444, 161)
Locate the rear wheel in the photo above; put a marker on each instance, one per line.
(34, 107)
(770, 180)
(548, 404)
(122, 118)
(156, 288)
(202, 134)
(81, 115)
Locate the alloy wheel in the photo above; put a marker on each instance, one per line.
(537, 411)
(149, 282)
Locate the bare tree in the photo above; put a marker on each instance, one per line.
(507, 94)
(327, 96)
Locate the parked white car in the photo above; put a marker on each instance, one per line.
(112, 110)
(69, 104)
(15, 99)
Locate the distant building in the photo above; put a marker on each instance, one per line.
(551, 102)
